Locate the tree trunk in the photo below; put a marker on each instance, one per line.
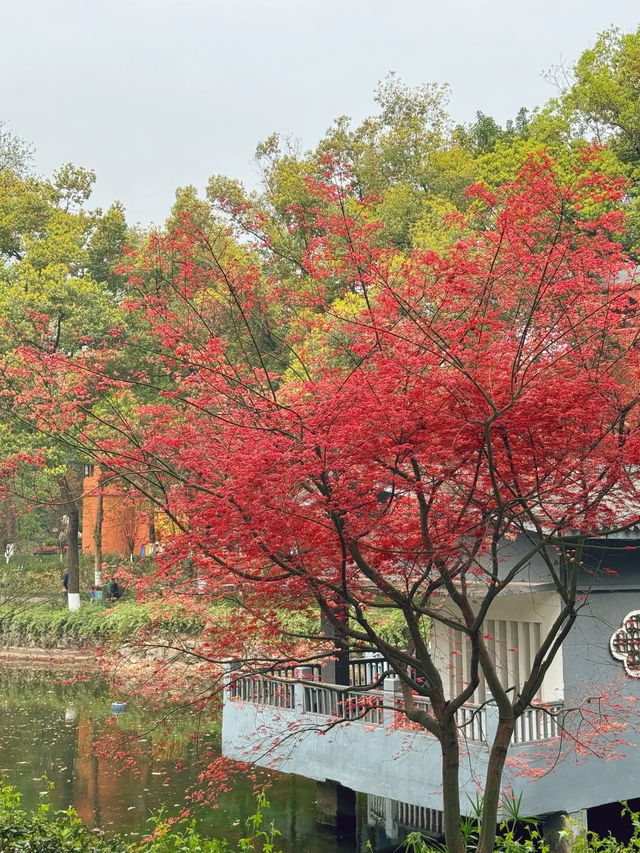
(450, 788)
(73, 556)
(8, 527)
(97, 534)
(152, 537)
(493, 785)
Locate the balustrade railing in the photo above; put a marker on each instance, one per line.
(470, 719)
(419, 817)
(312, 672)
(261, 690)
(319, 699)
(472, 722)
(537, 724)
(307, 694)
(365, 671)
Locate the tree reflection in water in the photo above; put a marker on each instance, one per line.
(49, 723)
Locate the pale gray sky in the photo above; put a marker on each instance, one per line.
(154, 94)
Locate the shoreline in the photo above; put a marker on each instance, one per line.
(45, 657)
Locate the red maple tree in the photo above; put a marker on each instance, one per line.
(376, 445)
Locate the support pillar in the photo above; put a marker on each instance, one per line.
(336, 807)
(560, 830)
(391, 819)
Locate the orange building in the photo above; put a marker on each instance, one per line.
(126, 518)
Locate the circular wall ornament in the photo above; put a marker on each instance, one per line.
(625, 643)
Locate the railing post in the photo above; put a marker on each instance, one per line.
(392, 691)
(492, 718)
(227, 678)
(305, 673)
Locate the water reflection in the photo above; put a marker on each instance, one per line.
(49, 723)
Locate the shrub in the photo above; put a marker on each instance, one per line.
(51, 625)
(46, 830)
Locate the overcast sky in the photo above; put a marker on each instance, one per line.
(155, 94)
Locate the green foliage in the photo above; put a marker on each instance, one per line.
(44, 236)
(30, 579)
(25, 206)
(605, 91)
(258, 835)
(519, 834)
(185, 838)
(16, 155)
(393, 628)
(73, 185)
(590, 842)
(46, 830)
(106, 244)
(48, 625)
(600, 102)
(49, 303)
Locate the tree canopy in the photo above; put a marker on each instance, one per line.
(433, 407)
(352, 390)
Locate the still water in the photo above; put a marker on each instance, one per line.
(48, 723)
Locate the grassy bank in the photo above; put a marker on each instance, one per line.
(40, 575)
(34, 612)
(50, 625)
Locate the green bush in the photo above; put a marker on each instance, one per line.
(46, 830)
(523, 835)
(53, 625)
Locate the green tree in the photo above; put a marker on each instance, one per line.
(49, 303)
(408, 156)
(108, 239)
(15, 153)
(600, 99)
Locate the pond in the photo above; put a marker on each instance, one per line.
(49, 722)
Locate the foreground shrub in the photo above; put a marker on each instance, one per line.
(523, 835)
(47, 830)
